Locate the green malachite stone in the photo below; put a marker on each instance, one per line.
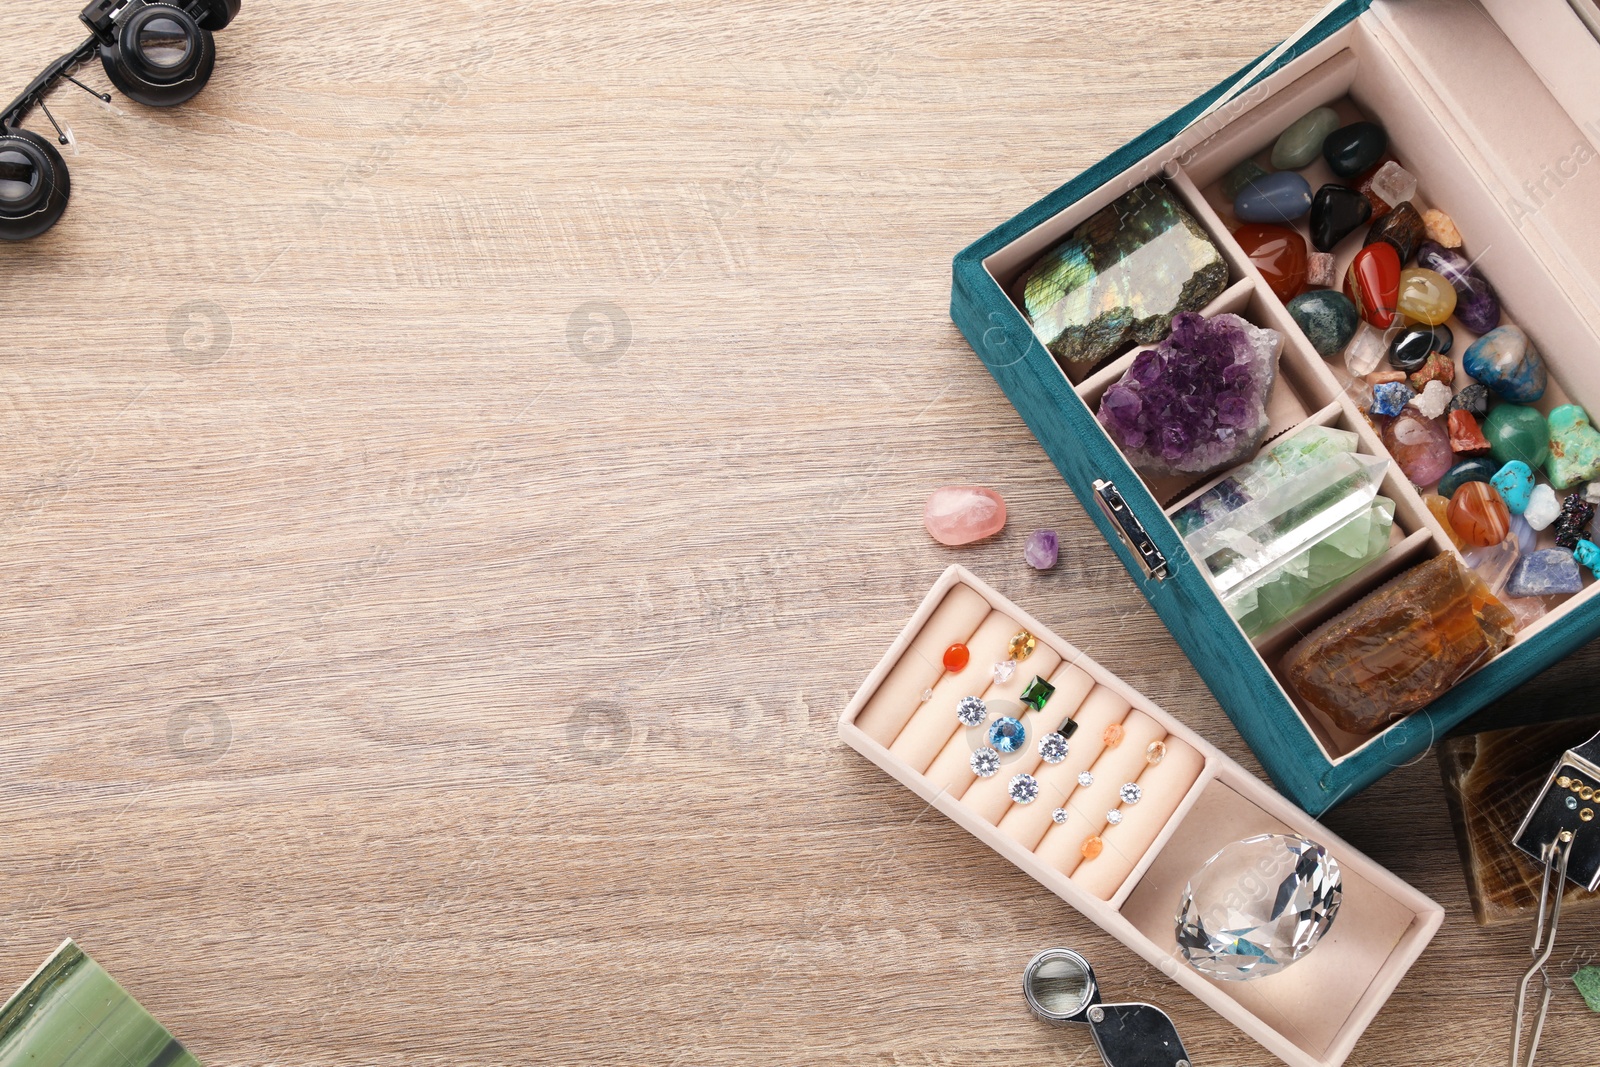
(1120, 278)
(71, 1013)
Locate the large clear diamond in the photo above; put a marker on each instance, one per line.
(1257, 906)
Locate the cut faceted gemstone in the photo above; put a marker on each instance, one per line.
(1007, 734)
(1004, 669)
(1022, 645)
(1257, 906)
(1085, 779)
(1155, 752)
(1024, 789)
(1038, 693)
(1112, 735)
(985, 762)
(972, 711)
(956, 657)
(1053, 748)
(1060, 816)
(1092, 847)
(1131, 793)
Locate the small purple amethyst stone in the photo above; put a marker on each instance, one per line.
(1041, 549)
(1476, 305)
(1197, 402)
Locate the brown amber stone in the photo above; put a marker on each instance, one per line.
(1478, 515)
(1441, 511)
(1399, 649)
(1466, 437)
(1279, 253)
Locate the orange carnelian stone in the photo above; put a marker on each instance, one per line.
(1478, 515)
(956, 657)
(1279, 253)
(1466, 437)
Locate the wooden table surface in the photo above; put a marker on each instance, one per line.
(458, 468)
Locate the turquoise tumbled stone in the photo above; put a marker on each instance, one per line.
(1479, 469)
(1506, 361)
(1588, 555)
(1302, 142)
(1281, 197)
(1517, 432)
(1574, 447)
(1120, 278)
(1514, 482)
(1327, 318)
(1007, 734)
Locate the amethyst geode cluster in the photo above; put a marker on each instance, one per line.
(1197, 402)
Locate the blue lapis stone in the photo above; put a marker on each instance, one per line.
(1391, 398)
(1281, 197)
(1007, 734)
(1550, 572)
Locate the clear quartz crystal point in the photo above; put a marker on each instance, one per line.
(1293, 495)
(1257, 906)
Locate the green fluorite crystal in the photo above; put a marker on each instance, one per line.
(1120, 278)
(71, 1013)
(1286, 587)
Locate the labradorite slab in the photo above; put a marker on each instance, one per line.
(71, 1013)
(1120, 278)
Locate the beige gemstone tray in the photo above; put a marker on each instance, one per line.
(1195, 801)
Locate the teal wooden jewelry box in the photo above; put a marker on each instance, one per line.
(1495, 106)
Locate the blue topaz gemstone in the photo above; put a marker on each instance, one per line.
(1477, 469)
(1514, 482)
(971, 711)
(1038, 693)
(1550, 572)
(1281, 197)
(1053, 748)
(1024, 789)
(1007, 735)
(1391, 398)
(985, 762)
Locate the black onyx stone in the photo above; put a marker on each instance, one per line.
(1402, 229)
(1444, 339)
(1336, 213)
(1351, 149)
(1068, 728)
(1473, 399)
(1411, 346)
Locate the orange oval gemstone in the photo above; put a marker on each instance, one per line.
(956, 657)
(1113, 735)
(1092, 848)
(1478, 515)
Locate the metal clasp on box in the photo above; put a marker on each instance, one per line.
(1131, 530)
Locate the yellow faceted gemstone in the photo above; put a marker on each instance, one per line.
(1425, 296)
(1441, 511)
(1022, 645)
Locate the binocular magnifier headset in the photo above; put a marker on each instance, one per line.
(158, 52)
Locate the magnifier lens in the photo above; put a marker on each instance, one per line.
(164, 43)
(1059, 984)
(19, 176)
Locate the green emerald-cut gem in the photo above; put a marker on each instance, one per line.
(1038, 693)
(73, 1012)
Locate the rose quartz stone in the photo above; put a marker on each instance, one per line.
(962, 514)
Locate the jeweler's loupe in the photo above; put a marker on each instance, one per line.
(1060, 987)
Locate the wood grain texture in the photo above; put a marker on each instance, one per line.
(402, 667)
